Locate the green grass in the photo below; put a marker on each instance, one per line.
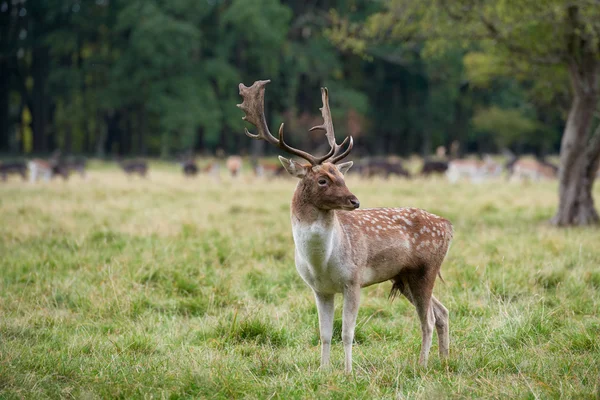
(180, 288)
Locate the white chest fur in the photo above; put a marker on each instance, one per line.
(317, 258)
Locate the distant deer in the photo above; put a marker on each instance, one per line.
(62, 170)
(76, 164)
(431, 167)
(384, 168)
(234, 165)
(46, 170)
(13, 167)
(340, 249)
(39, 168)
(268, 170)
(439, 165)
(132, 167)
(533, 170)
(189, 166)
(475, 170)
(262, 169)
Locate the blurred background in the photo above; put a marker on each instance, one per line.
(160, 77)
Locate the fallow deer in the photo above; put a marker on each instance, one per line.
(13, 167)
(339, 249)
(212, 168)
(39, 169)
(234, 165)
(475, 170)
(265, 169)
(431, 167)
(131, 167)
(76, 164)
(189, 167)
(533, 170)
(275, 170)
(47, 169)
(384, 168)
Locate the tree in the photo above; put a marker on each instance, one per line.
(507, 126)
(528, 39)
(160, 76)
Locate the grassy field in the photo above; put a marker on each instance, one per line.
(180, 288)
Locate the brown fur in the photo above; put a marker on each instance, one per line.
(429, 235)
(339, 250)
(309, 194)
(404, 245)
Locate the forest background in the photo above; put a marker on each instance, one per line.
(158, 77)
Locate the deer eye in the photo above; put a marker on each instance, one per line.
(322, 182)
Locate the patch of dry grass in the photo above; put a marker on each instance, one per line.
(175, 287)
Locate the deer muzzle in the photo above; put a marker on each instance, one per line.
(353, 202)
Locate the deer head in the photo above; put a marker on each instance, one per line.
(322, 179)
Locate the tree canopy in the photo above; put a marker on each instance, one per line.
(158, 77)
(549, 50)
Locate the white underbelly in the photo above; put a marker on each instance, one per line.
(322, 278)
(370, 276)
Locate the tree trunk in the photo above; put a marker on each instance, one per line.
(142, 126)
(587, 213)
(200, 145)
(576, 204)
(101, 134)
(39, 107)
(67, 145)
(4, 105)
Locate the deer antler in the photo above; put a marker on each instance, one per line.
(254, 108)
(327, 126)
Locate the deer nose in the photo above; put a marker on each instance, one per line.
(355, 203)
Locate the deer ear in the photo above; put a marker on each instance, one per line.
(294, 168)
(344, 167)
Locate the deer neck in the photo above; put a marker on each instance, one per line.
(305, 213)
(315, 230)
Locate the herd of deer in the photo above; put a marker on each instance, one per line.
(56, 166)
(516, 168)
(40, 169)
(476, 170)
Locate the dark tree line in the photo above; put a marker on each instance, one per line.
(158, 77)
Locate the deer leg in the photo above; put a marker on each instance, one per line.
(420, 289)
(325, 308)
(350, 312)
(440, 314)
(32, 174)
(442, 326)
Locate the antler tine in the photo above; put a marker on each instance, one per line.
(310, 158)
(254, 108)
(327, 126)
(339, 157)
